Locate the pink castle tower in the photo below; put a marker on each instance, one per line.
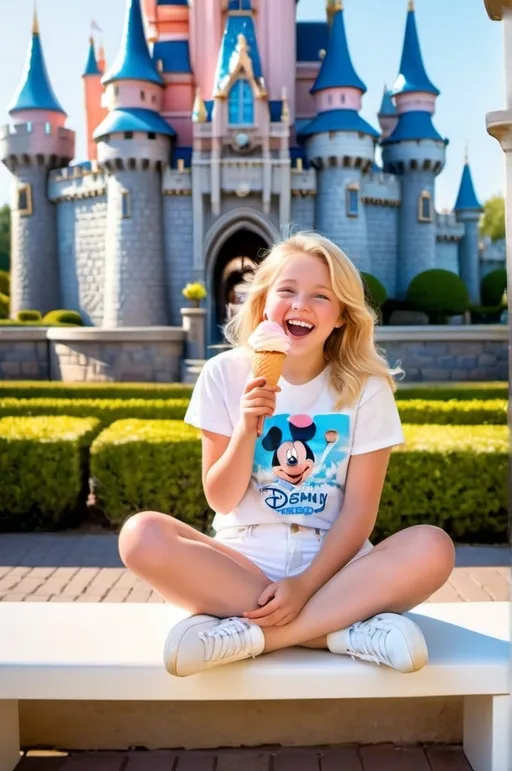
(95, 112)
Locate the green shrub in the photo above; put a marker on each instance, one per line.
(36, 389)
(459, 391)
(63, 317)
(5, 282)
(107, 411)
(43, 470)
(454, 477)
(438, 292)
(4, 306)
(375, 291)
(29, 316)
(140, 465)
(493, 286)
(468, 412)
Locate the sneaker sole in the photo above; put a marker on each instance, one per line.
(174, 639)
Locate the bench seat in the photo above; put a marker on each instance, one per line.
(113, 652)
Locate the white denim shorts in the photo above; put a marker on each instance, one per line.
(280, 549)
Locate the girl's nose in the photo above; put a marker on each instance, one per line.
(300, 302)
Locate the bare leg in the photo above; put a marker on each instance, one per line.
(188, 568)
(397, 575)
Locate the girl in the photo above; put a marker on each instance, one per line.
(291, 563)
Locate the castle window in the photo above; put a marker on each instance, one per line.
(241, 104)
(151, 135)
(329, 99)
(47, 128)
(142, 96)
(128, 134)
(25, 200)
(343, 98)
(153, 99)
(116, 90)
(425, 207)
(352, 200)
(126, 209)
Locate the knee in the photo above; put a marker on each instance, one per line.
(141, 538)
(437, 548)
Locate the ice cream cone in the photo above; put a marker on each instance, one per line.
(268, 364)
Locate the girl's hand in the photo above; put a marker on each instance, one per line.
(282, 602)
(258, 400)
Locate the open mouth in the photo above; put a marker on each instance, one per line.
(297, 328)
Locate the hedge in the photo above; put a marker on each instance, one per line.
(40, 389)
(454, 477)
(454, 412)
(37, 389)
(106, 410)
(43, 470)
(154, 464)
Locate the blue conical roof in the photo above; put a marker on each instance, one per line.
(133, 61)
(337, 70)
(387, 107)
(91, 66)
(35, 91)
(466, 198)
(236, 25)
(412, 76)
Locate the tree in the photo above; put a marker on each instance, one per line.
(492, 223)
(5, 237)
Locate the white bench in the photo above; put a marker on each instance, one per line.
(114, 652)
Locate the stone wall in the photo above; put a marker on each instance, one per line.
(447, 255)
(382, 223)
(302, 212)
(178, 251)
(157, 354)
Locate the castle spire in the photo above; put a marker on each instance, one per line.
(133, 61)
(337, 70)
(387, 106)
(35, 91)
(467, 199)
(412, 76)
(91, 66)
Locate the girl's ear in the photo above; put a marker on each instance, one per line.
(340, 323)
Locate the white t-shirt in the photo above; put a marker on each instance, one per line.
(301, 459)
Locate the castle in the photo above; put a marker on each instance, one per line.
(220, 124)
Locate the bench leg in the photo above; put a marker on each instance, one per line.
(9, 735)
(487, 733)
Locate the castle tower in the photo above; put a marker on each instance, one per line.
(35, 144)
(468, 210)
(94, 111)
(416, 152)
(388, 115)
(340, 145)
(134, 149)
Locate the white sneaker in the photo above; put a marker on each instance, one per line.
(201, 642)
(387, 638)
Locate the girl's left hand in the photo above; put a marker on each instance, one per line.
(282, 602)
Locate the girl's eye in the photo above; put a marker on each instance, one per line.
(322, 296)
(285, 289)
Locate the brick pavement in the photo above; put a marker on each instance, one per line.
(80, 567)
(384, 757)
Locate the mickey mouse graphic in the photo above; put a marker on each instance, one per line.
(294, 461)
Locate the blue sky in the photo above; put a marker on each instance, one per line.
(462, 50)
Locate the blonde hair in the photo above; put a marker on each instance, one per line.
(351, 349)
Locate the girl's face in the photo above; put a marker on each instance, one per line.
(302, 301)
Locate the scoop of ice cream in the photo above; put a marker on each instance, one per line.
(269, 336)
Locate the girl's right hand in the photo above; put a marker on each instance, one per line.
(258, 400)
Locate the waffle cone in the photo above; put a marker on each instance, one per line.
(268, 364)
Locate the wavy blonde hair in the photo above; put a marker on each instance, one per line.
(351, 349)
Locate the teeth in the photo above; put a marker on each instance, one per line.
(300, 323)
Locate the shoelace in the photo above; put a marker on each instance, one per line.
(368, 641)
(227, 639)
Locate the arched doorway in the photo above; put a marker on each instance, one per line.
(235, 244)
(234, 267)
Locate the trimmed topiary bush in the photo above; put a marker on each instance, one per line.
(43, 470)
(493, 286)
(63, 317)
(5, 282)
(440, 293)
(29, 316)
(4, 306)
(375, 291)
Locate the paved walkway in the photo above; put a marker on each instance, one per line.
(375, 758)
(86, 568)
